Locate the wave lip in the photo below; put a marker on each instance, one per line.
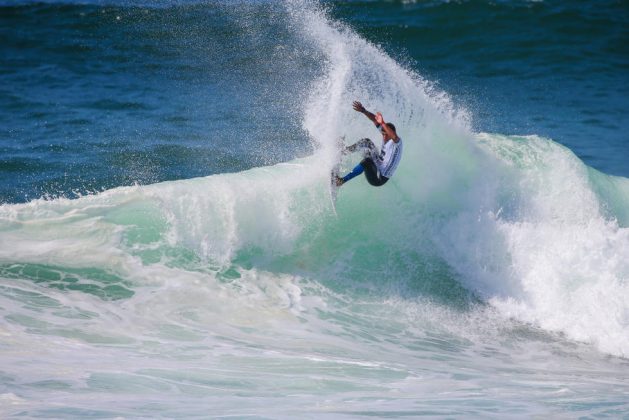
(543, 246)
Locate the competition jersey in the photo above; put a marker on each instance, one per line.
(389, 158)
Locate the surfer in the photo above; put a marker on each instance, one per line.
(377, 166)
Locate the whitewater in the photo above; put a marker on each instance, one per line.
(488, 278)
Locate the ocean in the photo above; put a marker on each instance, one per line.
(169, 249)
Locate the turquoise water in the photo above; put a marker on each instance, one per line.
(206, 275)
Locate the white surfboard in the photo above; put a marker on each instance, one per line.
(334, 189)
(335, 172)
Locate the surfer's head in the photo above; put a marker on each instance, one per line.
(384, 133)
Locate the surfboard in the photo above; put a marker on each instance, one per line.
(334, 189)
(334, 172)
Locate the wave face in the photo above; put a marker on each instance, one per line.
(486, 255)
(522, 220)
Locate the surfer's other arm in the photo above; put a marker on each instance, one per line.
(387, 129)
(360, 108)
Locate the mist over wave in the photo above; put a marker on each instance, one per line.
(524, 221)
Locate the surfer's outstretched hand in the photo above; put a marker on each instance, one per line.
(358, 107)
(379, 118)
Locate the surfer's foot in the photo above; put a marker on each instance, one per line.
(339, 181)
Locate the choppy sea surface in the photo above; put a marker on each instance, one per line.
(168, 248)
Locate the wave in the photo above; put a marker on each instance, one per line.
(520, 222)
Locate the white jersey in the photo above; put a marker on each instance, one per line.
(389, 158)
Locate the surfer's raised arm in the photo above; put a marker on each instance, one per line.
(360, 108)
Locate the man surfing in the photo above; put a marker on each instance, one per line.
(377, 166)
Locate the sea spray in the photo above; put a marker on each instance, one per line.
(477, 195)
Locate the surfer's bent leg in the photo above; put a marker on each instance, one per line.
(365, 144)
(372, 174)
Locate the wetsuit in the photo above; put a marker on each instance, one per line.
(378, 167)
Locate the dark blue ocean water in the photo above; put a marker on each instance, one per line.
(94, 97)
(99, 95)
